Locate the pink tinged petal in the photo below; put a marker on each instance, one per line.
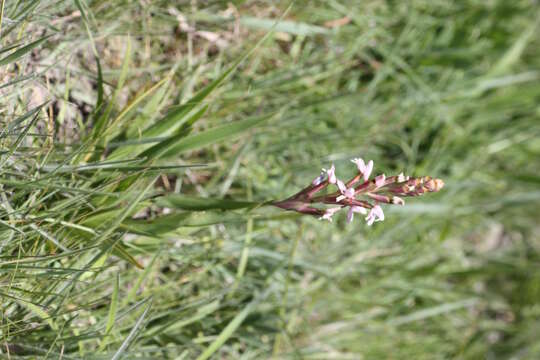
(359, 209)
(331, 174)
(368, 169)
(375, 214)
(398, 201)
(359, 164)
(349, 193)
(363, 168)
(341, 186)
(379, 180)
(345, 193)
(401, 178)
(370, 219)
(377, 210)
(355, 209)
(350, 215)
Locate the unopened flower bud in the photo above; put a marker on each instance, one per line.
(398, 201)
(434, 185)
(379, 180)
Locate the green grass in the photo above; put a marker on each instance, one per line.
(118, 118)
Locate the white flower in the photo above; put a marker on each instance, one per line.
(329, 213)
(375, 214)
(331, 174)
(341, 186)
(345, 193)
(355, 209)
(398, 201)
(364, 169)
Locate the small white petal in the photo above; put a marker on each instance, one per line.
(370, 220)
(326, 217)
(375, 214)
(367, 170)
(359, 209)
(378, 212)
(349, 193)
(331, 174)
(359, 164)
(328, 213)
(350, 215)
(341, 186)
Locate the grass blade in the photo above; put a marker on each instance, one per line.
(212, 136)
(17, 54)
(133, 333)
(231, 327)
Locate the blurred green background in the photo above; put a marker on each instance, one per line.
(448, 89)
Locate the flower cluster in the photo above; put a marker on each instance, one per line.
(360, 194)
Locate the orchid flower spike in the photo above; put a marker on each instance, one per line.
(329, 213)
(331, 174)
(364, 198)
(364, 169)
(375, 214)
(355, 209)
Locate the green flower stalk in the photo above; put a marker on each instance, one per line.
(359, 194)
